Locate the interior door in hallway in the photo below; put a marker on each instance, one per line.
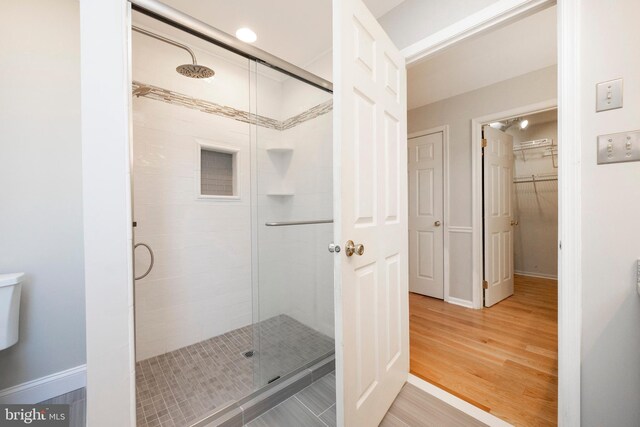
(426, 248)
(498, 215)
(370, 169)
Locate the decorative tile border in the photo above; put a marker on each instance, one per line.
(164, 95)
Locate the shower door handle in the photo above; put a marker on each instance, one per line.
(150, 264)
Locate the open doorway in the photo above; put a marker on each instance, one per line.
(485, 329)
(520, 203)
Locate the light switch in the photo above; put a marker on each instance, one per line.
(619, 147)
(609, 95)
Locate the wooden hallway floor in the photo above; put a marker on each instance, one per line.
(502, 359)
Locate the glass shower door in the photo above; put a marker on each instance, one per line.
(293, 202)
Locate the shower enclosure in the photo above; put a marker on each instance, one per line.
(232, 197)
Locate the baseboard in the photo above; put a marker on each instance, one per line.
(539, 275)
(458, 301)
(456, 402)
(46, 387)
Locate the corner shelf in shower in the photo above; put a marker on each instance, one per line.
(280, 193)
(279, 147)
(280, 150)
(279, 153)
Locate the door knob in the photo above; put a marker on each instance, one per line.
(351, 248)
(514, 222)
(437, 223)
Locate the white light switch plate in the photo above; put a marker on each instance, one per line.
(609, 95)
(619, 147)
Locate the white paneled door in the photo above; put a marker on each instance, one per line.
(426, 248)
(372, 350)
(498, 216)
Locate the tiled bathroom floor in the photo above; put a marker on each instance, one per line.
(314, 406)
(180, 387)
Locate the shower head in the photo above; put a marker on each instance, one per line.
(195, 71)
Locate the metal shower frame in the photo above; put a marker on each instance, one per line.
(191, 25)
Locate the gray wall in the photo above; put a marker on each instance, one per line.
(457, 112)
(40, 191)
(610, 223)
(413, 20)
(535, 242)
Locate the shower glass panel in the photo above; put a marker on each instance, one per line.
(293, 280)
(192, 200)
(232, 193)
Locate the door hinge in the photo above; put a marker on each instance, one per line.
(485, 284)
(484, 142)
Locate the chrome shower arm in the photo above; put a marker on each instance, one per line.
(166, 40)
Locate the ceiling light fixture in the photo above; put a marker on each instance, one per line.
(524, 123)
(246, 35)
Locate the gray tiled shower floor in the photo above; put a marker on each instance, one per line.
(180, 387)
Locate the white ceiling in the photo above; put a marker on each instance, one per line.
(297, 31)
(516, 49)
(380, 7)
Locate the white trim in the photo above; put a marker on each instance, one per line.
(535, 274)
(445, 198)
(105, 82)
(458, 301)
(476, 178)
(569, 226)
(499, 13)
(456, 402)
(45, 388)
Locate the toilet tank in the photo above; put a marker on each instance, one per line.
(10, 289)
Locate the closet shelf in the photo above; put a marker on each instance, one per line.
(535, 144)
(280, 150)
(281, 193)
(547, 144)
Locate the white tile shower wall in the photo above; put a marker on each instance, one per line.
(296, 269)
(154, 63)
(200, 285)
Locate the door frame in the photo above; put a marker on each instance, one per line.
(477, 190)
(445, 203)
(569, 159)
(104, 28)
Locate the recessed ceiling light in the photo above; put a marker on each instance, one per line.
(246, 35)
(524, 123)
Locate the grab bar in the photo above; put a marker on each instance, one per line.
(150, 264)
(287, 223)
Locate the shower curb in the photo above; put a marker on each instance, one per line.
(249, 408)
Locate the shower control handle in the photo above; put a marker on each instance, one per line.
(351, 248)
(334, 248)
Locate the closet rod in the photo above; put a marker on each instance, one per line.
(519, 181)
